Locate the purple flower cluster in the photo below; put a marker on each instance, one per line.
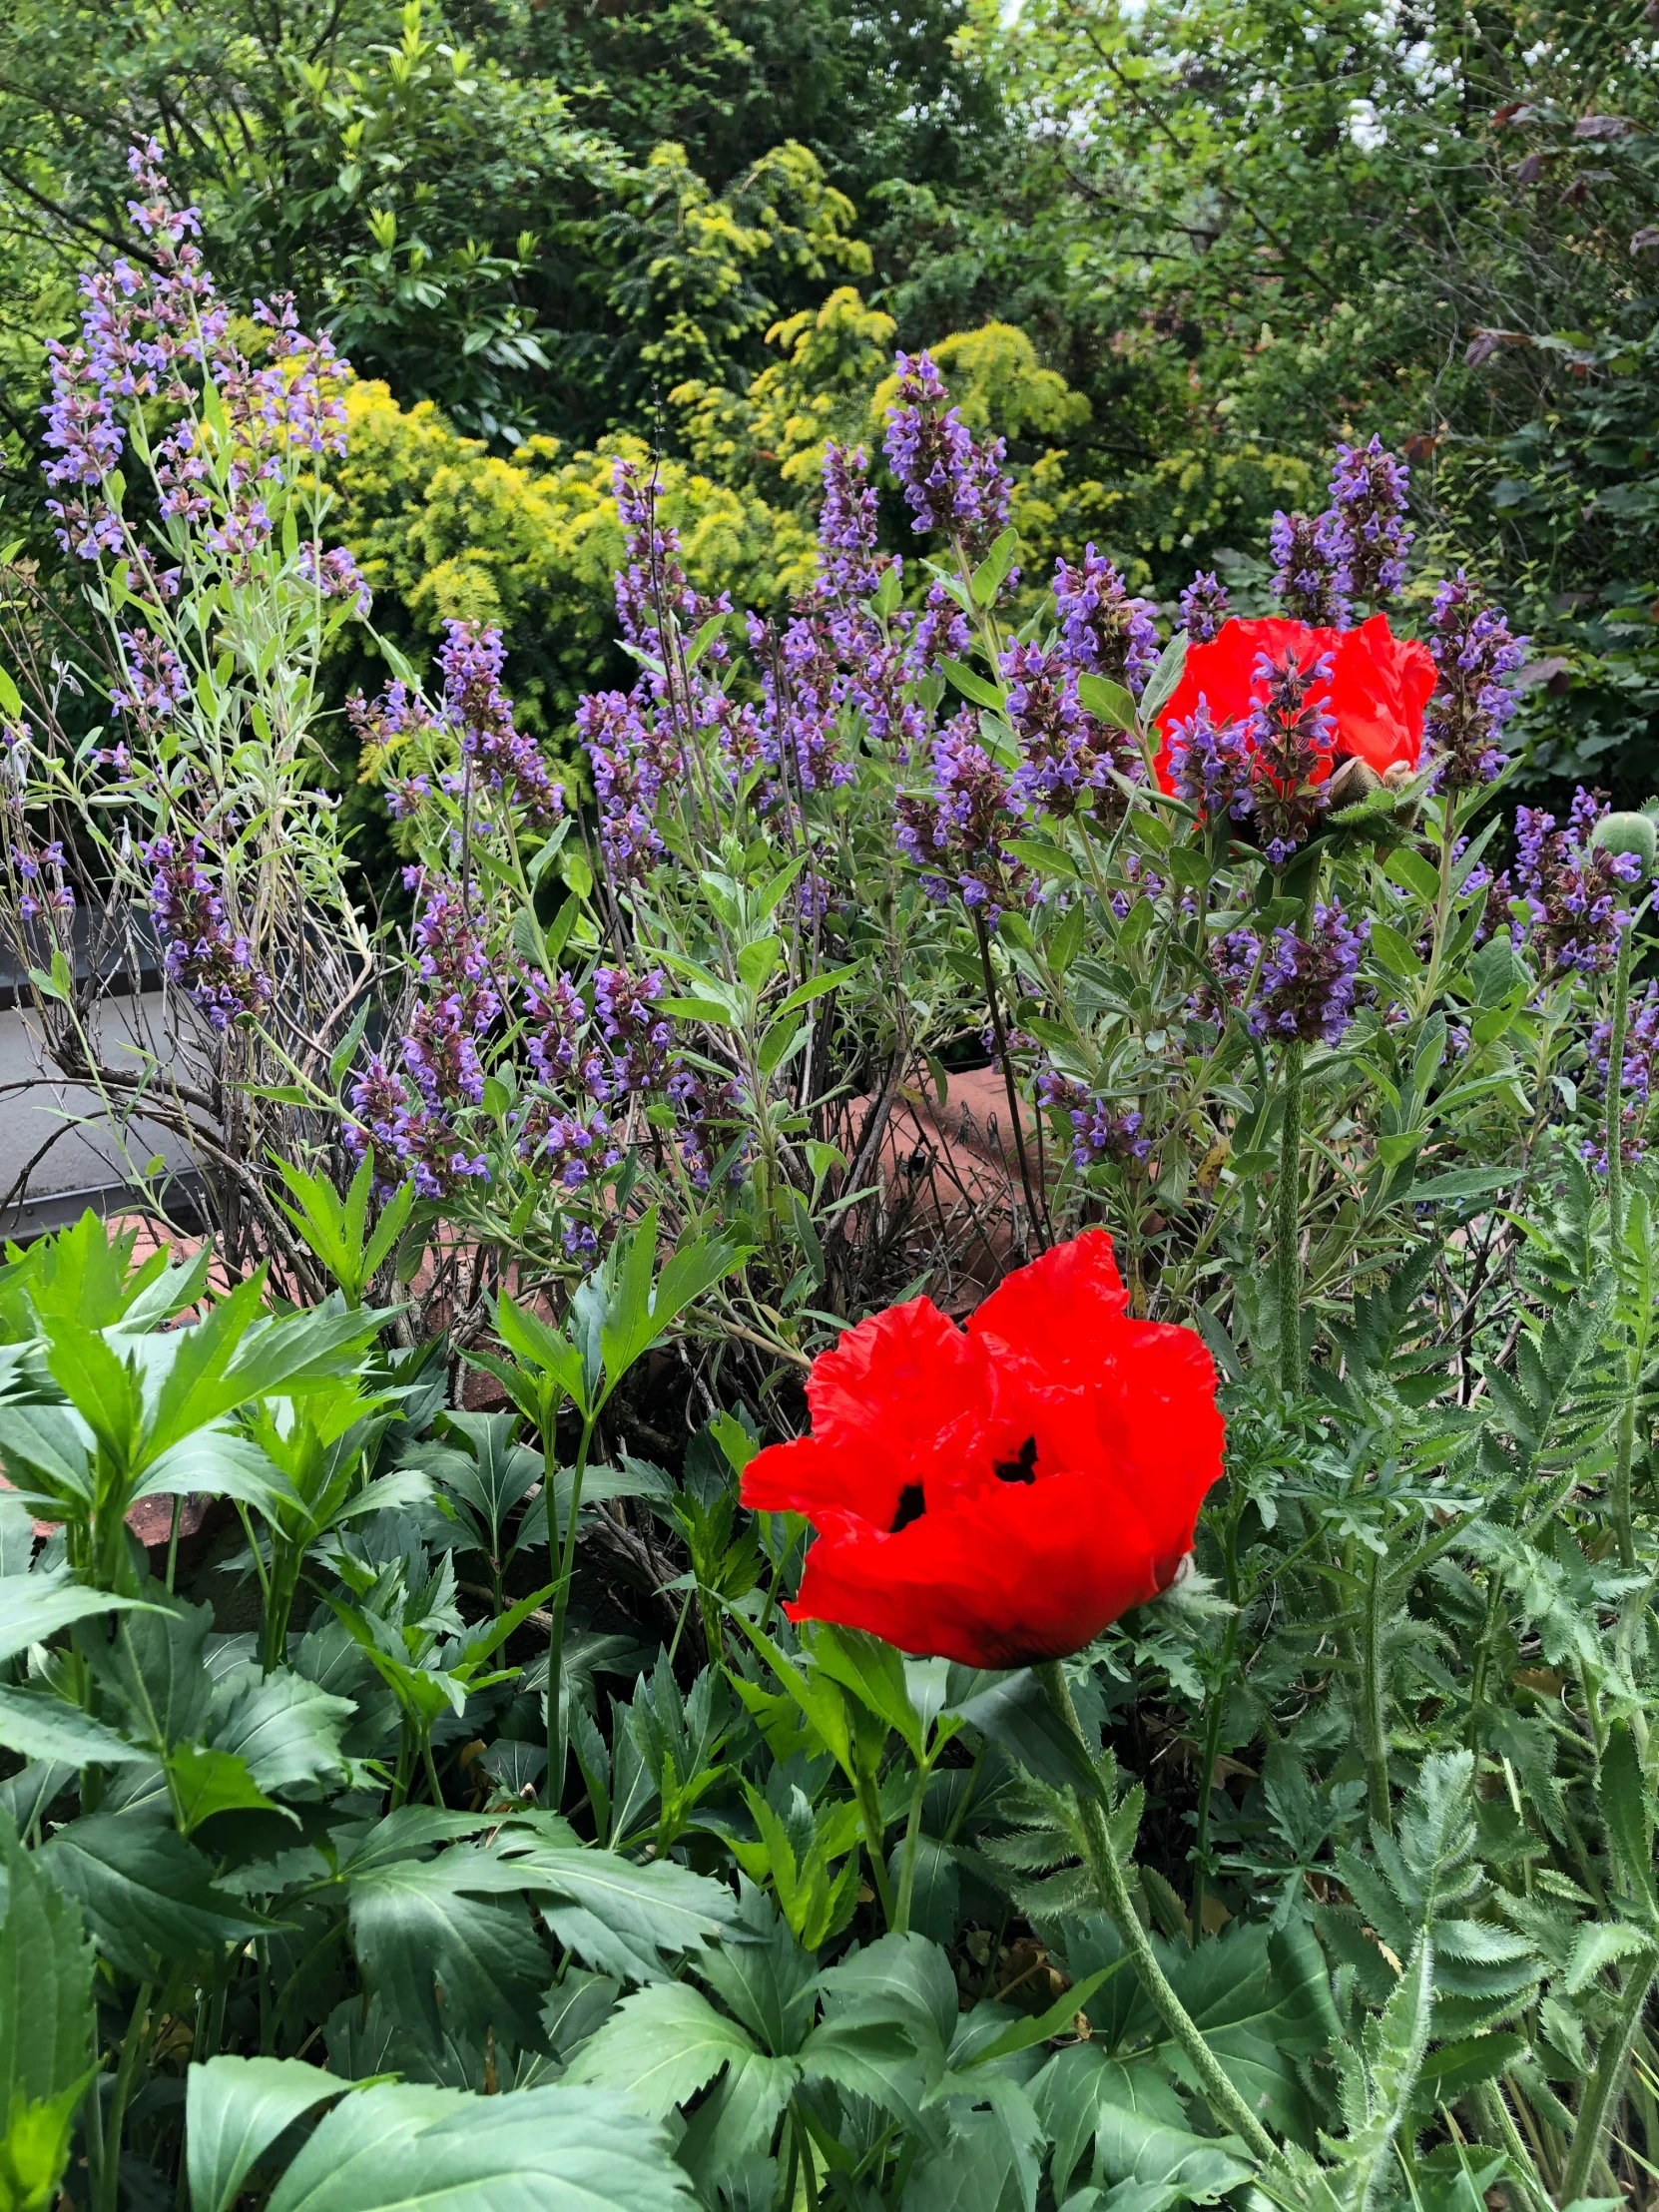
(565, 1146)
(1289, 734)
(1365, 524)
(953, 483)
(954, 832)
(407, 1139)
(45, 890)
(707, 1109)
(1641, 1050)
(1203, 607)
(481, 715)
(157, 333)
(156, 684)
(1066, 755)
(1098, 1135)
(799, 723)
(205, 957)
(1233, 957)
(1308, 571)
(1212, 768)
(1475, 653)
(1571, 886)
(850, 568)
(1106, 631)
(1307, 984)
(337, 576)
(636, 1035)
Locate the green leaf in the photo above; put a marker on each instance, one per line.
(659, 2047)
(1162, 684)
(46, 1973)
(146, 1892)
(1137, 2123)
(403, 2148)
(1626, 1815)
(33, 1607)
(658, 1906)
(973, 687)
(208, 1781)
(1016, 1716)
(805, 993)
(1107, 701)
(235, 2110)
(40, 1725)
(874, 1672)
(987, 578)
(417, 1925)
(1261, 2000)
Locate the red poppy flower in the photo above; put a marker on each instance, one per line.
(998, 1496)
(1377, 689)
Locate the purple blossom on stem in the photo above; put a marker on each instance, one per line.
(1364, 527)
(953, 483)
(707, 1110)
(627, 759)
(850, 568)
(1308, 570)
(1212, 768)
(563, 1146)
(1307, 984)
(636, 1035)
(954, 832)
(554, 1018)
(206, 956)
(1203, 607)
(337, 576)
(1641, 1050)
(1233, 957)
(1571, 886)
(481, 713)
(1289, 736)
(1105, 632)
(407, 1140)
(453, 960)
(156, 685)
(1098, 1135)
(1474, 654)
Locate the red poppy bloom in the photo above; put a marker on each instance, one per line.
(998, 1496)
(1377, 688)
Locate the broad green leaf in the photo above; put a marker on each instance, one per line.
(659, 2047)
(1108, 701)
(235, 2110)
(34, 1607)
(46, 1973)
(208, 1781)
(38, 1724)
(874, 1673)
(286, 1728)
(972, 687)
(146, 1892)
(1263, 2001)
(420, 1924)
(553, 2149)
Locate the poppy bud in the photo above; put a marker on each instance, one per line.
(1351, 781)
(1628, 834)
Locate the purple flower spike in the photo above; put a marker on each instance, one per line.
(1309, 574)
(1475, 653)
(1366, 526)
(1106, 632)
(1307, 984)
(1570, 887)
(1203, 607)
(953, 483)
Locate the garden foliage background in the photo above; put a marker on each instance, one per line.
(623, 1619)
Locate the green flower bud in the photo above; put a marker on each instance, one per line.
(1628, 834)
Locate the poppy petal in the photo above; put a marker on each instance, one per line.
(1011, 1576)
(895, 1381)
(1060, 1313)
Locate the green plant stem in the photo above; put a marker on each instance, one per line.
(912, 1838)
(1290, 1246)
(1615, 1095)
(1496, 2119)
(1215, 1712)
(1373, 1722)
(1606, 2084)
(1000, 1037)
(557, 1731)
(1218, 2092)
(869, 1805)
(109, 2176)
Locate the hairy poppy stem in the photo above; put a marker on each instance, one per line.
(1290, 1247)
(1218, 2092)
(1000, 1037)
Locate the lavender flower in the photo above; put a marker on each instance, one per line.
(627, 761)
(1641, 1050)
(1289, 734)
(453, 960)
(1307, 984)
(1364, 527)
(1473, 652)
(1203, 607)
(953, 832)
(1098, 1135)
(206, 956)
(1106, 632)
(850, 568)
(1063, 760)
(1571, 886)
(1212, 768)
(337, 576)
(481, 713)
(1308, 570)
(953, 483)
(637, 1036)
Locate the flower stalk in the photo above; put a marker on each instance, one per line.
(1290, 1243)
(1217, 2090)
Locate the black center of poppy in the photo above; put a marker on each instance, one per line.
(1022, 1469)
(912, 1504)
